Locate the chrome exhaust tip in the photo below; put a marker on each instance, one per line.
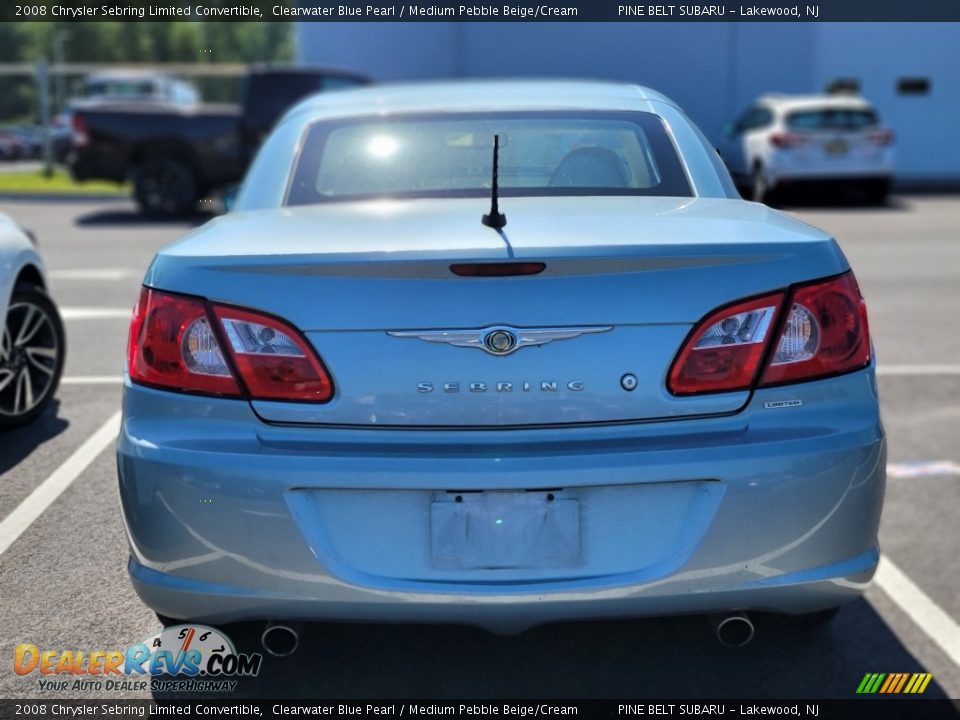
(733, 629)
(280, 640)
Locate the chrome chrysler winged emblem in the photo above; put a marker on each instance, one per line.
(498, 339)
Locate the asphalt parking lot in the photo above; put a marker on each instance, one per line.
(64, 582)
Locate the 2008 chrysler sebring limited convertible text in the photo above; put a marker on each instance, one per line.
(612, 389)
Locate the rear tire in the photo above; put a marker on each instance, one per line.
(759, 186)
(877, 191)
(32, 350)
(164, 187)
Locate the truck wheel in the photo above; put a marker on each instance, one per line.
(164, 186)
(32, 350)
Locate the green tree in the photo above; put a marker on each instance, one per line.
(16, 94)
(139, 42)
(248, 42)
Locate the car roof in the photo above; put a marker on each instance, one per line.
(480, 95)
(811, 102)
(126, 74)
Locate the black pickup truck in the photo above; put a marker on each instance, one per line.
(177, 154)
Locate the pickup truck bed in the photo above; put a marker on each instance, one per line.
(177, 154)
(121, 136)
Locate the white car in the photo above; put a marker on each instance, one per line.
(785, 139)
(33, 345)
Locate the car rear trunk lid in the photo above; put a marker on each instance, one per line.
(625, 280)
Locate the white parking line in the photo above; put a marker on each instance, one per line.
(95, 274)
(922, 469)
(95, 313)
(920, 608)
(42, 497)
(92, 380)
(918, 370)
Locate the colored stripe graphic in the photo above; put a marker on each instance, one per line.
(894, 683)
(923, 679)
(870, 683)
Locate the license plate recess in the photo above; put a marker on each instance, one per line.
(501, 530)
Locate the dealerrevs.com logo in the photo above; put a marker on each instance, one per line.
(180, 658)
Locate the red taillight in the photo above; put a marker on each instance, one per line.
(273, 360)
(787, 140)
(824, 333)
(725, 350)
(175, 343)
(882, 136)
(79, 136)
(172, 345)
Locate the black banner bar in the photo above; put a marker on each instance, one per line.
(479, 11)
(873, 708)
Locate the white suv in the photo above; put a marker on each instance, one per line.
(783, 139)
(32, 341)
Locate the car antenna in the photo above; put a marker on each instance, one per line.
(494, 219)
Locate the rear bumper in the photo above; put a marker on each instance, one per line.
(781, 175)
(770, 509)
(818, 588)
(837, 182)
(86, 164)
(790, 170)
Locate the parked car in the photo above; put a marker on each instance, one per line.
(177, 154)
(11, 147)
(31, 137)
(502, 354)
(33, 344)
(784, 140)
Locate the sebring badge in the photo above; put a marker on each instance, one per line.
(500, 339)
(502, 386)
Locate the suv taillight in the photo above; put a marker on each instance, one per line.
(824, 333)
(881, 136)
(79, 135)
(787, 140)
(177, 342)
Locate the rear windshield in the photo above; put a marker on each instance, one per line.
(833, 119)
(451, 155)
(120, 88)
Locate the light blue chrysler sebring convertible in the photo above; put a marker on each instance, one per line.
(499, 354)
